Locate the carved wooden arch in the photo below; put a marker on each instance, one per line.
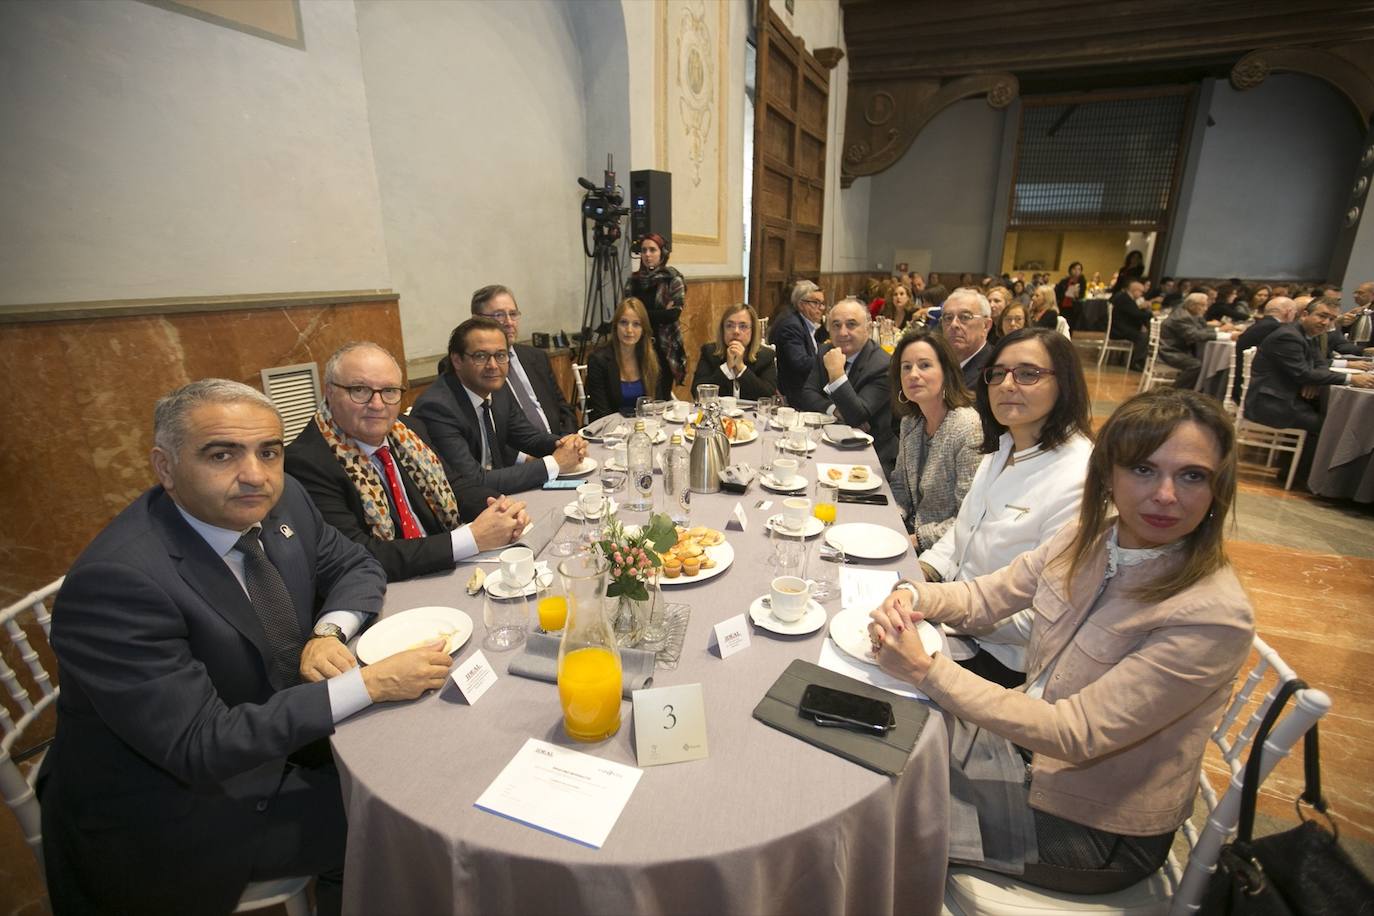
(884, 118)
(1344, 67)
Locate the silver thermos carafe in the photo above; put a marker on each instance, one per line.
(710, 452)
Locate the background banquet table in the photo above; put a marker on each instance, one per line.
(1217, 358)
(1343, 464)
(765, 824)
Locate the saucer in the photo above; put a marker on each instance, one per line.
(768, 482)
(809, 622)
(813, 526)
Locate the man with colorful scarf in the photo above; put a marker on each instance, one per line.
(376, 480)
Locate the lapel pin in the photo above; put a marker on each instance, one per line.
(286, 531)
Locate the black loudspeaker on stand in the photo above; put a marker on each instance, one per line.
(651, 204)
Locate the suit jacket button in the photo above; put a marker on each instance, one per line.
(261, 806)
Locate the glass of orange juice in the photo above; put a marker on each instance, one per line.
(824, 500)
(551, 606)
(589, 671)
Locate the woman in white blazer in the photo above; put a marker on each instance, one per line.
(1037, 432)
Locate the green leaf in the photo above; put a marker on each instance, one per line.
(662, 533)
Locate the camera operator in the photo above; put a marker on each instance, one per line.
(662, 290)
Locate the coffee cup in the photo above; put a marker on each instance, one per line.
(589, 498)
(788, 597)
(619, 455)
(785, 416)
(796, 438)
(795, 511)
(517, 566)
(728, 403)
(785, 471)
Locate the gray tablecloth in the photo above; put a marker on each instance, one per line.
(765, 824)
(1343, 465)
(1217, 357)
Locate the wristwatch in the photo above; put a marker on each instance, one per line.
(324, 630)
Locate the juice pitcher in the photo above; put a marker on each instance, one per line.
(589, 673)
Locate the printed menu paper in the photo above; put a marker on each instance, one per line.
(564, 792)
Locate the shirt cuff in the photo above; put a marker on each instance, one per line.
(1339, 363)
(464, 543)
(830, 388)
(348, 621)
(347, 694)
(551, 465)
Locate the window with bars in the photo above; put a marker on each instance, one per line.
(1098, 162)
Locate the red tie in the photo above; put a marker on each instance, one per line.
(410, 528)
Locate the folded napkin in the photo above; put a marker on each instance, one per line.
(844, 435)
(539, 662)
(604, 425)
(738, 474)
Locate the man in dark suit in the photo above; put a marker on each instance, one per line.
(193, 683)
(530, 378)
(477, 428)
(1278, 311)
(794, 336)
(1288, 372)
(1131, 322)
(375, 479)
(1182, 336)
(965, 320)
(849, 379)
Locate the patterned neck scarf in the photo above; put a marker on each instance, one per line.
(411, 453)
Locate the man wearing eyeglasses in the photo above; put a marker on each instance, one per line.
(849, 379)
(375, 478)
(476, 426)
(964, 321)
(530, 378)
(795, 335)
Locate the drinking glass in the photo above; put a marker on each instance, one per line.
(707, 394)
(789, 552)
(592, 504)
(770, 451)
(655, 632)
(551, 605)
(508, 618)
(824, 500)
(825, 575)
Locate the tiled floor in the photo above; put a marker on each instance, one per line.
(1308, 566)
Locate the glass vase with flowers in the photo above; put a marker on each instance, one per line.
(633, 556)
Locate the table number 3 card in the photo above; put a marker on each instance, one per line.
(670, 724)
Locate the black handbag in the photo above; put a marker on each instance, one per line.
(1299, 872)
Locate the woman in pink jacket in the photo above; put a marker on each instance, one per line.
(1078, 780)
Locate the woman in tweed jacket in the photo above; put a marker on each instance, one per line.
(938, 446)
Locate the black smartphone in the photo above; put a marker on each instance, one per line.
(827, 706)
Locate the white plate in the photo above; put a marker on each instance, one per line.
(582, 470)
(659, 437)
(812, 418)
(809, 622)
(768, 483)
(813, 526)
(722, 553)
(858, 434)
(689, 433)
(734, 413)
(412, 628)
(806, 449)
(867, 541)
(497, 587)
(849, 631)
(873, 482)
(573, 511)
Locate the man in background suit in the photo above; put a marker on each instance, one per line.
(477, 428)
(530, 378)
(1131, 322)
(1278, 311)
(965, 320)
(794, 336)
(849, 379)
(374, 478)
(191, 676)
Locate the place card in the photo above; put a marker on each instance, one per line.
(670, 724)
(474, 677)
(731, 635)
(738, 519)
(561, 791)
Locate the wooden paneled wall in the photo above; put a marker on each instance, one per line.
(76, 452)
(707, 300)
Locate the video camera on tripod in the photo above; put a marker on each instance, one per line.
(602, 210)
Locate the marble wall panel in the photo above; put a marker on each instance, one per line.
(82, 396)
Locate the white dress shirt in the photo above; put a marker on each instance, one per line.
(550, 463)
(347, 693)
(1008, 511)
(464, 544)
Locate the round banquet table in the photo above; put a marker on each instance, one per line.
(1343, 463)
(765, 824)
(1217, 358)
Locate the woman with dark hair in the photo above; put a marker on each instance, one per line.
(1257, 299)
(625, 368)
(1034, 405)
(663, 291)
(901, 305)
(735, 361)
(938, 444)
(1132, 269)
(1018, 292)
(1139, 627)
(1071, 290)
(1013, 318)
(1226, 307)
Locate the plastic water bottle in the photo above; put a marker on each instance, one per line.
(676, 479)
(639, 458)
